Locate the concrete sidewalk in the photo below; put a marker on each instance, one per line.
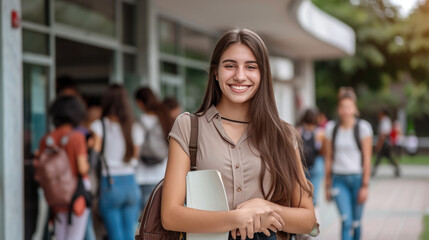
(394, 210)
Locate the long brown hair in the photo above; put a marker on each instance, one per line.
(152, 104)
(115, 103)
(274, 139)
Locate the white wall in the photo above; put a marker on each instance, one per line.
(11, 126)
(285, 99)
(306, 84)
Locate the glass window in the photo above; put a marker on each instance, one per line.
(168, 36)
(129, 24)
(169, 68)
(196, 45)
(35, 42)
(35, 11)
(170, 90)
(95, 15)
(131, 80)
(196, 80)
(35, 107)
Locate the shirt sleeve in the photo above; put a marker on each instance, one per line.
(97, 128)
(329, 129)
(365, 129)
(79, 144)
(181, 131)
(137, 133)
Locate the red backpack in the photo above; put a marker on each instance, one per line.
(150, 225)
(54, 173)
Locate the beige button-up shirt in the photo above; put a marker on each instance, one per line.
(239, 164)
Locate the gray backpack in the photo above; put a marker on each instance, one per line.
(155, 148)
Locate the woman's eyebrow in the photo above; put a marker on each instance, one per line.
(234, 61)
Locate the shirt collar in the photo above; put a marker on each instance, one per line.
(211, 113)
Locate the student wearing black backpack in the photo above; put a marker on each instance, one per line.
(156, 123)
(312, 138)
(348, 163)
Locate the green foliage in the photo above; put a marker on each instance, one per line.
(387, 48)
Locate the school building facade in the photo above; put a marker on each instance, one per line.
(165, 44)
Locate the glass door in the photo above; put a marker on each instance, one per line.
(36, 90)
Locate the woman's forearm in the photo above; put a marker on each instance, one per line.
(297, 220)
(184, 219)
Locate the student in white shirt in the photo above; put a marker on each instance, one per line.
(348, 163)
(384, 146)
(156, 123)
(120, 196)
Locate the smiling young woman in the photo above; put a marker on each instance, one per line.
(242, 136)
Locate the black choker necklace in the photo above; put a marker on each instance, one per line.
(230, 120)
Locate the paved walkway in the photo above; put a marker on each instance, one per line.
(394, 210)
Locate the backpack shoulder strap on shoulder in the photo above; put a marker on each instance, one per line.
(334, 135)
(193, 142)
(356, 133)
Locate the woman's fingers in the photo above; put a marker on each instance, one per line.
(266, 232)
(234, 234)
(257, 224)
(250, 230)
(242, 232)
(277, 225)
(279, 219)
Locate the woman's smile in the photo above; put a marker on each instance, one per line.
(239, 88)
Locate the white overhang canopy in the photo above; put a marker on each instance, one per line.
(292, 28)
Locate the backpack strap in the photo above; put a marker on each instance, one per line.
(334, 136)
(193, 142)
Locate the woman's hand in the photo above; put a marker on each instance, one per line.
(257, 216)
(328, 186)
(363, 195)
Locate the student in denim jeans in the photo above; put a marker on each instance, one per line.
(348, 168)
(240, 135)
(120, 197)
(314, 136)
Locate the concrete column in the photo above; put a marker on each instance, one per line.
(285, 101)
(148, 60)
(306, 84)
(11, 125)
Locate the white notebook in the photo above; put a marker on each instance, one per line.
(205, 191)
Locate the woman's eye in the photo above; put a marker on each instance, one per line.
(251, 67)
(229, 66)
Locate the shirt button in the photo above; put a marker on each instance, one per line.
(233, 147)
(236, 166)
(239, 189)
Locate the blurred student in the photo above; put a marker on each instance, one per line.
(119, 201)
(67, 113)
(348, 163)
(173, 106)
(396, 138)
(156, 123)
(384, 147)
(312, 137)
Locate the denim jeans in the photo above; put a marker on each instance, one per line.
(146, 190)
(119, 206)
(315, 175)
(345, 190)
(89, 233)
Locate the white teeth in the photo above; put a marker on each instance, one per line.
(240, 87)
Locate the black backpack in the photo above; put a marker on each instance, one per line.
(310, 150)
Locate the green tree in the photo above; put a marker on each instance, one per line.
(387, 47)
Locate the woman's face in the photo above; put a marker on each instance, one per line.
(346, 108)
(238, 74)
